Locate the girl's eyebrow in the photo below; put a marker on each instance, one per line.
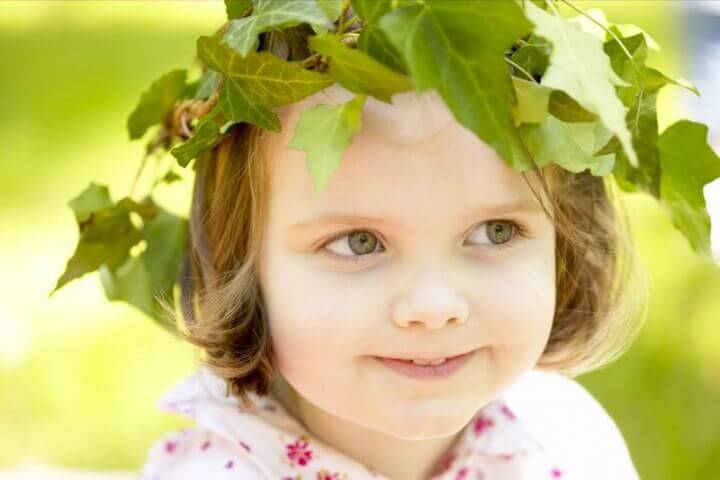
(524, 205)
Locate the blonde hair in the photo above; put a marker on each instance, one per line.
(601, 286)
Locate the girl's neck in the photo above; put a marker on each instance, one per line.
(390, 456)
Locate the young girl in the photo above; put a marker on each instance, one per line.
(421, 318)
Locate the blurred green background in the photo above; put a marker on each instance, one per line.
(80, 376)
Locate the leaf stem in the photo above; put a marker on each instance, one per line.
(521, 69)
(354, 19)
(341, 25)
(138, 172)
(551, 3)
(158, 178)
(582, 12)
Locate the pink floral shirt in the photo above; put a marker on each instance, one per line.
(502, 442)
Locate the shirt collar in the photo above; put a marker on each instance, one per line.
(496, 430)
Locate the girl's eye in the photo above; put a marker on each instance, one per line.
(361, 243)
(500, 232)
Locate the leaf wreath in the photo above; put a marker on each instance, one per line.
(519, 75)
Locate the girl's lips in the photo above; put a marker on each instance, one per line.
(410, 369)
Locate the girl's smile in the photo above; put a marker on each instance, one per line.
(436, 368)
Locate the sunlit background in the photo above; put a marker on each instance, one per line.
(80, 376)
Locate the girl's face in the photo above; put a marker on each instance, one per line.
(394, 259)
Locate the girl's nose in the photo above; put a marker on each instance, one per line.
(431, 302)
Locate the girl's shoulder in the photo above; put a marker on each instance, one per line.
(208, 450)
(197, 453)
(571, 424)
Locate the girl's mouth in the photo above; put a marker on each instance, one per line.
(437, 368)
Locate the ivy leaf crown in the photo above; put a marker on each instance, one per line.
(536, 86)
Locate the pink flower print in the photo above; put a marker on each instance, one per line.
(556, 473)
(447, 463)
(244, 445)
(325, 475)
(479, 476)
(170, 447)
(229, 464)
(506, 456)
(299, 451)
(462, 473)
(507, 412)
(205, 445)
(482, 423)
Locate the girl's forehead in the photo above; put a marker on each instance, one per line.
(411, 154)
(411, 118)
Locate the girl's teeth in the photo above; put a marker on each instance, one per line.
(437, 361)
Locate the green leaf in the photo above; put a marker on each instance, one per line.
(656, 79)
(207, 85)
(165, 236)
(570, 145)
(206, 135)
(564, 107)
(146, 208)
(629, 30)
(687, 164)
(324, 132)
(635, 71)
(129, 283)
(242, 33)
(93, 198)
(579, 66)
(237, 8)
(289, 43)
(375, 43)
(97, 197)
(156, 102)
(642, 120)
(535, 101)
(262, 78)
(445, 49)
(621, 30)
(106, 236)
(632, 70)
(238, 109)
(257, 82)
(332, 8)
(646, 177)
(357, 71)
(532, 101)
(142, 278)
(534, 57)
(319, 29)
(371, 10)
(592, 21)
(372, 40)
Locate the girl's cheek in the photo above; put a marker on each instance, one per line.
(315, 309)
(511, 294)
